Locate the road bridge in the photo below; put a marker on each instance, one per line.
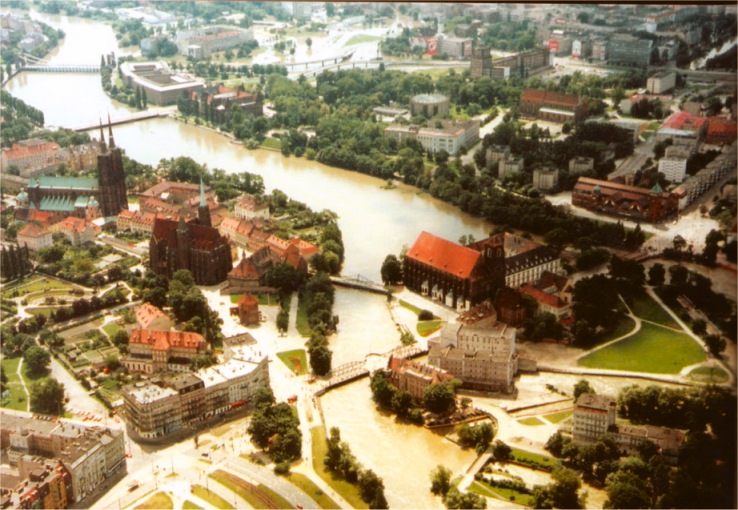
(122, 120)
(321, 62)
(61, 68)
(375, 63)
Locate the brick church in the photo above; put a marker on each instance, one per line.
(457, 276)
(88, 198)
(195, 245)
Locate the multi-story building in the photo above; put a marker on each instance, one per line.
(454, 47)
(594, 416)
(721, 131)
(41, 483)
(149, 316)
(695, 186)
(553, 106)
(519, 64)
(495, 154)
(30, 154)
(161, 84)
(526, 261)
(509, 166)
(581, 48)
(152, 351)
(249, 207)
(452, 137)
(580, 165)
(79, 231)
(138, 222)
(545, 179)
(661, 82)
(179, 404)
(35, 237)
(626, 49)
(201, 42)
(481, 63)
(414, 377)
(479, 352)
(93, 457)
(674, 163)
(684, 129)
(639, 204)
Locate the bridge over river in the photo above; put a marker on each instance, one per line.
(360, 282)
(136, 117)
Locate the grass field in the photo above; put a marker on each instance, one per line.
(301, 322)
(558, 417)
(360, 39)
(33, 285)
(410, 307)
(426, 328)
(295, 360)
(307, 486)
(654, 349)
(349, 492)
(523, 456)
(487, 490)
(644, 306)
(111, 329)
(17, 399)
(257, 496)
(625, 326)
(532, 421)
(272, 143)
(189, 505)
(211, 498)
(159, 501)
(709, 375)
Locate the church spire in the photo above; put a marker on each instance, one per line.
(203, 213)
(102, 137)
(202, 194)
(110, 133)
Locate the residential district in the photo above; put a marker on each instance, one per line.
(336, 255)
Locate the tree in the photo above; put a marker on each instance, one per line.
(716, 344)
(501, 451)
(457, 499)
(391, 270)
(561, 493)
(369, 485)
(283, 320)
(47, 397)
(320, 360)
(309, 42)
(626, 489)
(440, 480)
(678, 275)
(120, 338)
(438, 398)
(699, 327)
(37, 359)
(656, 275)
(112, 362)
(582, 387)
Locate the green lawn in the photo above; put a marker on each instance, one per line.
(410, 307)
(211, 497)
(361, 38)
(624, 326)
(111, 329)
(189, 505)
(644, 306)
(532, 421)
(654, 349)
(272, 143)
(41, 310)
(558, 417)
(301, 322)
(349, 492)
(295, 360)
(17, 399)
(715, 375)
(34, 285)
(307, 486)
(487, 490)
(159, 501)
(524, 456)
(257, 496)
(235, 298)
(426, 328)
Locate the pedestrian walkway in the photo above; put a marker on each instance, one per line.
(23, 383)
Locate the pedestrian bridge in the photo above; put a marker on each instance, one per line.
(360, 282)
(121, 120)
(61, 68)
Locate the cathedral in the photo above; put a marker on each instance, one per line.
(88, 198)
(195, 245)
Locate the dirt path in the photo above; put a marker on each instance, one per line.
(23, 383)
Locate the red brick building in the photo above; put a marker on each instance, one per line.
(553, 106)
(414, 377)
(458, 276)
(639, 204)
(721, 130)
(248, 310)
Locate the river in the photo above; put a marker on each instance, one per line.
(375, 222)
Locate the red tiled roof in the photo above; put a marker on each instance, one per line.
(201, 236)
(305, 247)
(74, 224)
(248, 300)
(33, 230)
(542, 297)
(21, 151)
(163, 340)
(148, 313)
(548, 97)
(684, 121)
(244, 269)
(444, 255)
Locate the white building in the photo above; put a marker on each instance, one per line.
(661, 83)
(212, 38)
(674, 163)
(249, 207)
(35, 237)
(509, 166)
(452, 137)
(545, 179)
